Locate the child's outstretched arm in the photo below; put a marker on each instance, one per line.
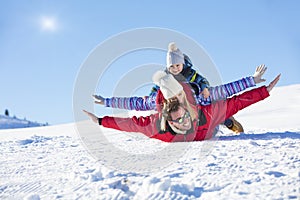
(128, 103)
(225, 91)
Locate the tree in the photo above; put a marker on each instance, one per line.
(6, 112)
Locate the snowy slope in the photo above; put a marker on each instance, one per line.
(264, 163)
(7, 122)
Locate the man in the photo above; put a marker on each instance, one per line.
(179, 125)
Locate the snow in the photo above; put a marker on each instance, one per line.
(54, 162)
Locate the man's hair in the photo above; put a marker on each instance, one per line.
(172, 105)
(169, 106)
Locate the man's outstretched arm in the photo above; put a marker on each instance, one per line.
(239, 102)
(145, 125)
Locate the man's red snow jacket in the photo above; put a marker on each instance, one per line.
(203, 128)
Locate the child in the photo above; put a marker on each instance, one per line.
(180, 66)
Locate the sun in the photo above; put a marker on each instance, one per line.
(48, 24)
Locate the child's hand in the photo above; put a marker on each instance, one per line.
(259, 72)
(205, 93)
(98, 99)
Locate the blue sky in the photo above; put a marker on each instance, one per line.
(44, 43)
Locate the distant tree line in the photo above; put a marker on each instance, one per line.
(6, 113)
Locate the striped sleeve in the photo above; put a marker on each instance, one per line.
(227, 90)
(132, 103)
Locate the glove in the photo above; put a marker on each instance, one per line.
(260, 70)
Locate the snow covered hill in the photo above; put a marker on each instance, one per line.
(263, 163)
(7, 122)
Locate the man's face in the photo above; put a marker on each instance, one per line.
(181, 119)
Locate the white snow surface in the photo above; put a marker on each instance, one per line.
(55, 162)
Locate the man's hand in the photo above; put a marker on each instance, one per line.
(205, 93)
(99, 99)
(260, 70)
(93, 117)
(273, 83)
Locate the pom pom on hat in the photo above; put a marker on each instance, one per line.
(158, 76)
(174, 55)
(169, 86)
(172, 47)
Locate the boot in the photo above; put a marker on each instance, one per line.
(232, 124)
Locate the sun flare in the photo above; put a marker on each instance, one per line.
(48, 24)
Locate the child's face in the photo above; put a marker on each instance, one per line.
(175, 69)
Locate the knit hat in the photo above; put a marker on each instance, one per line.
(169, 86)
(174, 55)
